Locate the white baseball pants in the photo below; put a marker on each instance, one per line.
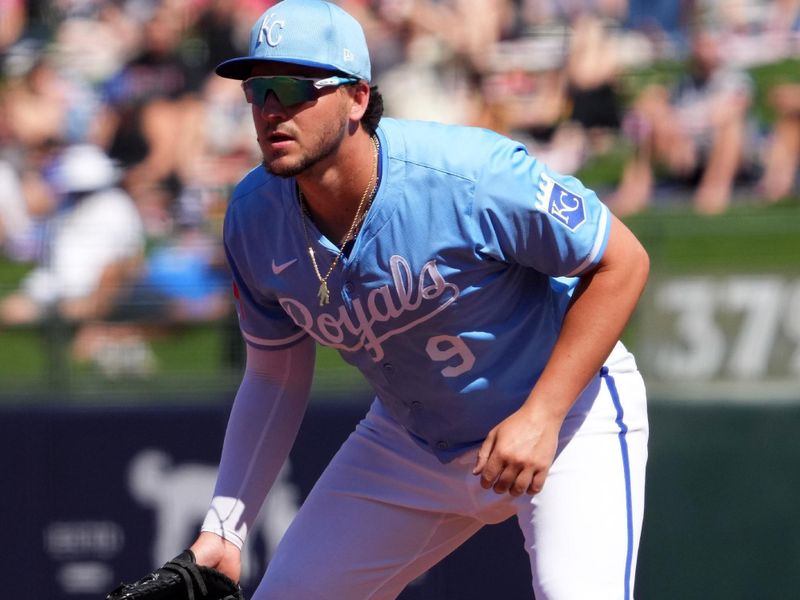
(385, 510)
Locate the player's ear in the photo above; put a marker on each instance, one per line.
(359, 93)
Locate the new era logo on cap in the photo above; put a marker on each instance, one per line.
(312, 33)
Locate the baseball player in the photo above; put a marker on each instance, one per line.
(482, 296)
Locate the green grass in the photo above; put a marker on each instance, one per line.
(11, 273)
(765, 77)
(194, 363)
(22, 356)
(602, 172)
(748, 238)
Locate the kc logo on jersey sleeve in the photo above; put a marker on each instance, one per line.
(564, 206)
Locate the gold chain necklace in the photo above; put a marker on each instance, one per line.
(323, 293)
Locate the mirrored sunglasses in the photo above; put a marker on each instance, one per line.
(290, 91)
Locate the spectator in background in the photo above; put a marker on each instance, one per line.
(568, 107)
(95, 238)
(386, 28)
(547, 12)
(188, 275)
(592, 71)
(216, 144)
(533, 108)
(756, 32)
(144, 117)
(36, 102)
(182, 280)
(783, 148)
(12, 22)
(31, 88)
(25, 202)
(696, 131)
(783, 22)
(220, 31)
(93, 41)
(663, 21)
(469, 28)
(448, 46)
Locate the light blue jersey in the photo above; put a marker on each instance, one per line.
(453, 294)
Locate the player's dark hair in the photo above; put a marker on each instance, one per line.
(374, 111)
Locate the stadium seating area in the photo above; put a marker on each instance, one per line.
(107, 98)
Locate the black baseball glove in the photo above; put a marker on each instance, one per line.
(180, 579)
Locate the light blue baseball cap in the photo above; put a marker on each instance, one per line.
(304, 32)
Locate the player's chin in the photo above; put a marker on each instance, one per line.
(282, 166)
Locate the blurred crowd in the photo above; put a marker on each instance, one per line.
(119, 146)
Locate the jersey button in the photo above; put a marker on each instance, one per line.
(442, 445)
(388, 368)
(416, 405)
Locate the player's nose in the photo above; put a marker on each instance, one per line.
(272, 107)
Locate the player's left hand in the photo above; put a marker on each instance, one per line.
(518, 452)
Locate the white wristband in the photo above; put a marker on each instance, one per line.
(224, 518)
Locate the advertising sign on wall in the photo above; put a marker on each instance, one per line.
(95, 496)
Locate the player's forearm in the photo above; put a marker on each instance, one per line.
(600, 310)
(262, 427)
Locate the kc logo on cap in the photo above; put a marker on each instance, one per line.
(311, 33)
(271, 30)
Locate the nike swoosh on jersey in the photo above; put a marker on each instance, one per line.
(278, 269)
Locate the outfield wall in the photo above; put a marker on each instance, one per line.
(97, 495)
